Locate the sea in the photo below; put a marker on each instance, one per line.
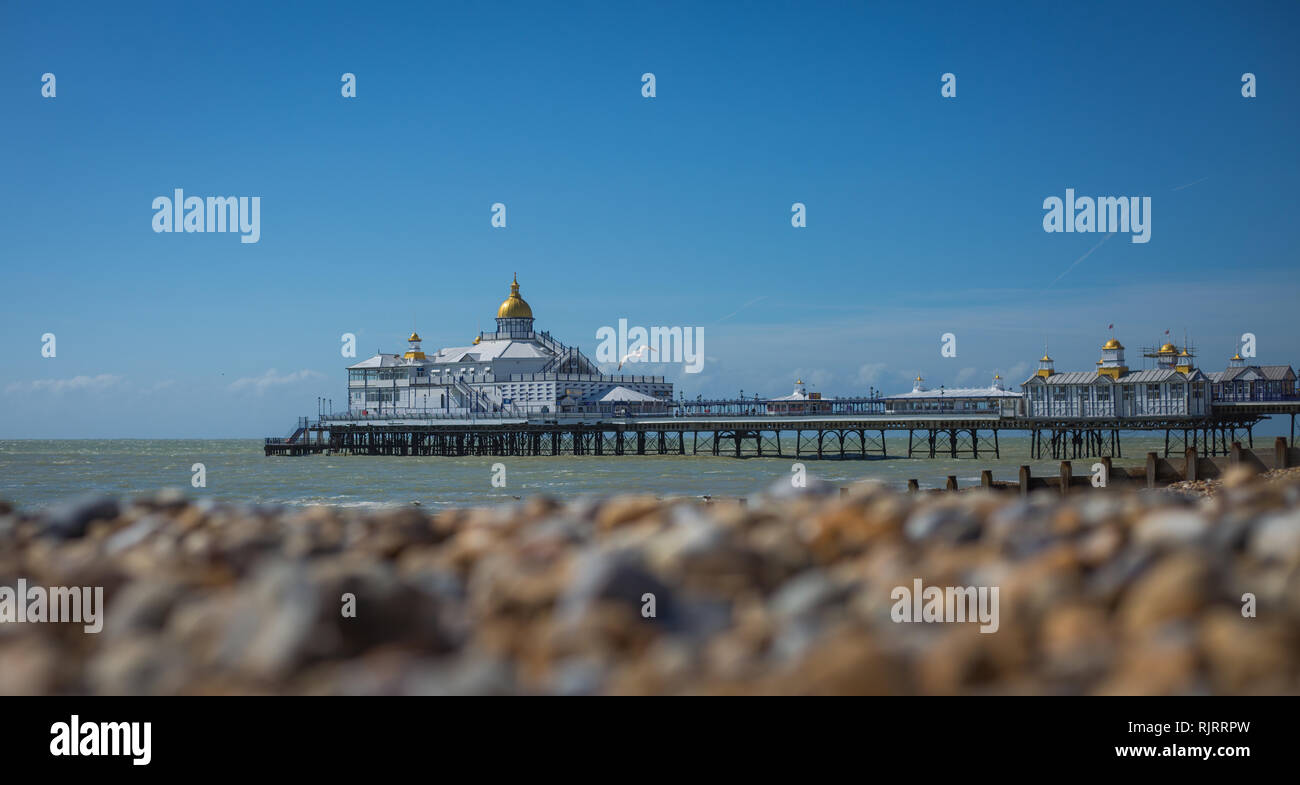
(36, 473)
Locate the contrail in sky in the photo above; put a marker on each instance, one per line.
(741, 308)
(1076, 261)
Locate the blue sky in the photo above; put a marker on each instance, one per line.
(924, 213)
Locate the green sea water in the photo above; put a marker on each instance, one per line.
(37, 473)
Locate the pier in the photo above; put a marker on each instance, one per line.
(742, 429)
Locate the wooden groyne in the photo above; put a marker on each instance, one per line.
(1156, 472)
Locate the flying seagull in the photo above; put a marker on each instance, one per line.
(638, 354)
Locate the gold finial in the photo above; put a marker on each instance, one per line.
(514, 306)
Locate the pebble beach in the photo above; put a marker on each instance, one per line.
(1172, 591)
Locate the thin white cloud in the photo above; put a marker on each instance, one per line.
(965, 375)
(870, 373)
(273, 378)
(59, 386)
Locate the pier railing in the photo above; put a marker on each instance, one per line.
(442, 415)
(1249, 397)
(765, 407)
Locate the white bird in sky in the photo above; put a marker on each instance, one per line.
(638, 354)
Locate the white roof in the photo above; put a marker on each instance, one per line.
(380, 361)
(955, 392)
(1147, 375)
(491, 350)
(621, 394)
(795, 396)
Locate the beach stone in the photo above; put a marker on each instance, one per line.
(806, 594)
(621, 577)
(1173, 527)
(469, 675)
(164, 499)
(134, 534)
(1077, 640)
(622, 510)
(950, 524)
(1237, 477)
(1174, 588)
(69, 520)
(272, 623)
(143, 665)
(1165, 664)
(1277, 537)
(1243, 651)
(29, 666)
(141, 608)
(580, 676)
(847, 662)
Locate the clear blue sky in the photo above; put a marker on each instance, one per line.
(924, 214)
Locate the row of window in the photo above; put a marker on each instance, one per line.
(1099, 394)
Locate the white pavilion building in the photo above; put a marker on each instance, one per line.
(511, 371)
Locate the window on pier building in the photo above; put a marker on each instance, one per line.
(1103, 395)
(1153, 393)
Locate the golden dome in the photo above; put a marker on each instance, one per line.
(414, 337)
(1045, 359)
(1184, 353)
(514, 306)
(477, 338)
(1168, 348)
(1237, 356)
(1112, 344)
